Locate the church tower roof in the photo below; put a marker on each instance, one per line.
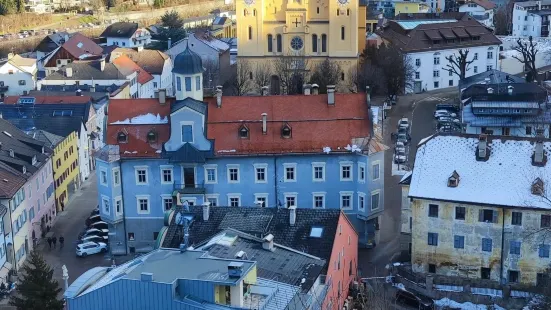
(187, 62)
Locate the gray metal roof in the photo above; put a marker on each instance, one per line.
(505, 120)
(187, 62)
(505, 104)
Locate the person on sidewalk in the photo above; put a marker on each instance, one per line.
(61, 241)
(50, 242)
(54, 240)
(62, 206)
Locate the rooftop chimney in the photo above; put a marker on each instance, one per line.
(264, 123)
(169, 43)
(539, 158)
(292, 215)
(140, 48)
(264, 90)
(306, 89)
(331, 95)
(315, 89)
(92, 88)
(147, 276)
(206, 211)
(490, 90)
(68, 71)
(268, 242)
(368, 96)
(482, 151)
(78, 92)
(219, 96)
(162, 96)
(102, 64)
(510, 89)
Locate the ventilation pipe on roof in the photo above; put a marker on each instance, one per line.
(219, 96)
(92, 88)
(306, 89)
(102, 64)
(206, 211)
(292, 215)
(315, 89)
(264, 123)
(268, 242)
(490, 90)
(169, 43)
(264, 90)
(539, 153)
(510, 89)
(331, 95)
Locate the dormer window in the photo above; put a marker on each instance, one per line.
(33, 162)
(12, 154)
(152, 137)
(537, 187)
(286, 131)
(122, 137)
(243, 132)
(453, 180)
(24, 169)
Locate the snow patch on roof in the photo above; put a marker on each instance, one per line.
(326, 150)
(446, 302)
(145, 119)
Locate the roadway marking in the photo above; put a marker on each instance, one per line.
(430, 98)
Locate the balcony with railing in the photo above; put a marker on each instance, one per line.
(190, 188)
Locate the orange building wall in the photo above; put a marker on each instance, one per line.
(345, 247)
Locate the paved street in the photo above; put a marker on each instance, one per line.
(418, 108)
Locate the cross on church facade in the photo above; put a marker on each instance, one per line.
(296, 22)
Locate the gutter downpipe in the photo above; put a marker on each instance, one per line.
(501, 278)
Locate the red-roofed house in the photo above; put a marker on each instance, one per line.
(77, 47)
(144, 79)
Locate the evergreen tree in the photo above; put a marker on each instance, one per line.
(172, 20)
(36, 288)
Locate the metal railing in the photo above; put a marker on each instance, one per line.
(190, 188)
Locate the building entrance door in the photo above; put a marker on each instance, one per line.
(417, 87)
(189, 177)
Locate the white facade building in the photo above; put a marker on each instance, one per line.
(481, 10)
(124, 34)
(84, 153)
(17, 76)
(531, 18)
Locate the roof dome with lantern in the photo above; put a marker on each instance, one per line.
(187, 62)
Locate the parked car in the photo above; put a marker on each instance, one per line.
(99, 225)
(88, 248)
(448, 107)
(401, 137)
(414, 300)
(403, 123)
(95, 211)
(400, 156)
(94, 232)
(440, 113)
(93, 218)
(400, 146)
(446, 119)
(94, 238)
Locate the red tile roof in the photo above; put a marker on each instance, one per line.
(51, 99)
(138, 145)
(79, 45)
(314, 124)
(126, 64)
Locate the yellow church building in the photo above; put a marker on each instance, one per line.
(315, 29)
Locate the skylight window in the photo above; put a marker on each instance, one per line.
(7, 134)
(316, 232)
(80, 45)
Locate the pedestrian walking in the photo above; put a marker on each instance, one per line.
(54, 240)
(50, 242)
(62, 207)
(61, 241)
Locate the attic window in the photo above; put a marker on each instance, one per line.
(243, 132)
(152, 137)
(316, 232)
(453, 180)
(122, 137)
(286, 131)
(537, 187)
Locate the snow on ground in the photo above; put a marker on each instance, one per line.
(543, 45)
(446, 302)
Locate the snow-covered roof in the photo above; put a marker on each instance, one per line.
(146, 119)
(504, 179)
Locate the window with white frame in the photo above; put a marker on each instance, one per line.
(260, 171)
(234, 200)
(290, 172)
(290, 199)
(318, 200)
(318, 172)
(141, 175)
(211, 174)
(103, 177)
(116, 176)
(233, 173)
(167, 202)
(376, 170)
(361, 202)
(118, 205)
(166, 175)
(346, 171)
(361, 172)
(261, 200)
(346, 200)
(212, 199)
(375, 200)
(142, 204)
(105, 204)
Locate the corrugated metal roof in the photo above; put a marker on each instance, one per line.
(408, 25)
(506, 104)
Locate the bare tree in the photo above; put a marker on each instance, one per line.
(327, 72)
(459, 64)
(241, 78)
(528, 51)
(211, 74)
(262, 74)
(375, 295)
(353, 79)
(291, 69)
(500, 22)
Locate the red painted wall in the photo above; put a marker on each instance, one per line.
(345, 249)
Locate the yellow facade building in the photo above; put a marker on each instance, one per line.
(408, 7)
(269, 29)
(66, 168)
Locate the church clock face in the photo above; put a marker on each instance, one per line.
(249, 2)
(343, 2)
